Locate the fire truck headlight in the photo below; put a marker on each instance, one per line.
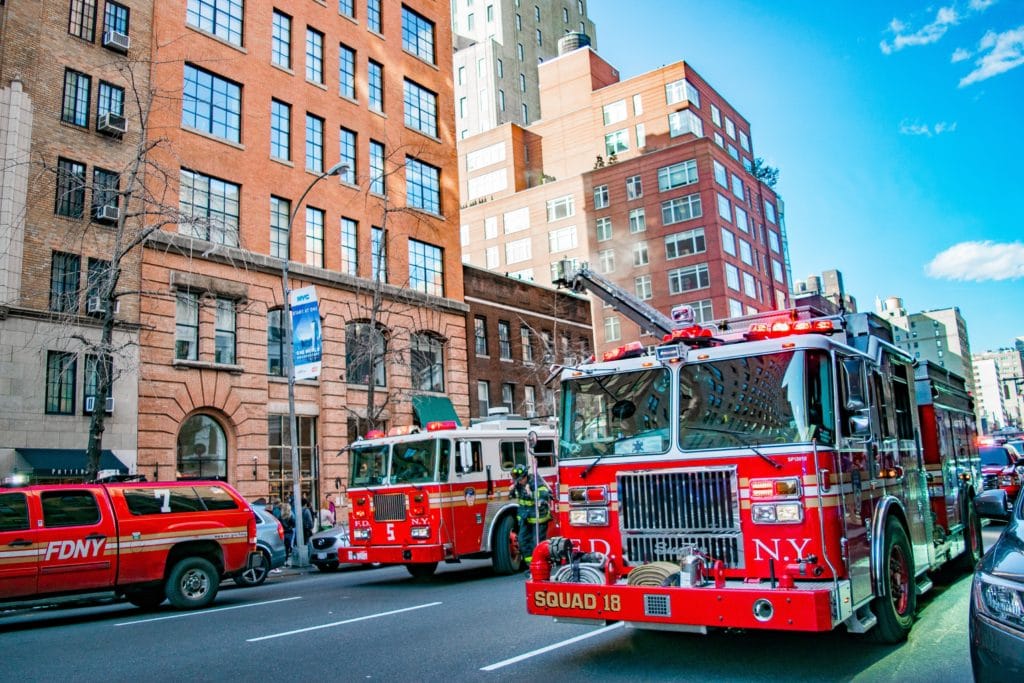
(361, 534)
(789, 512)
(597, 517)
(1000, 599)
(420, 532)
(763, 513)
(777, 513)
(578, 517)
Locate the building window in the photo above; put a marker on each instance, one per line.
(614, 112)
(640, 256)
(480, 335)
(65, 276)
(744, 141)
(109, 100)
(530, 401)
(612, 329)
(281, 40)
(375, 80)
(746, 254)
(275, 342)
(224, 332)
(540, 37)
(349, 247)
(517, 251)
(222, 18)
(418, 35)
(211, 104)
(730, 128)
(601, 197)
(280, 213)
(378, 255)
(737, 187)
(606, 260)
(377, 168)
(603, 228)
(501, 97)
(202, 449)
(314, 237)
(522, 82)
(507, 394)
(724, 208)
(681, 209)
(105, 195)
(769, 211)
(61, 370)
(728, 242)
(526, 343)
(423, 185)
(426, 268)
(483, 396)
(721, 177)
(732, 276)
(682, 91)
(735, 308)
(77, 89)
(186, 329)
(365, 349)
(682, 122)
(677, 175)
(773, 241)
(314, 143)
(347, 72)
(685, 243)
(347, 8)
(347, 154)
(93, 374)
(562, 207)
(280, 130)
(562, 240)
(504, 340)
(777, 271)
(70, 189)
(642, 286)
(688, 279)
(212, 205)
(420, 109)
(373, 20)
(748, 286)
(82, 19)
(615, 142)
(427, 354)
(634, 187)
(637, 221)
(314, 56)
(97, 279)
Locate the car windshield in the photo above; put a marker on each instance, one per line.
(774, 398)
(368, 465)
(996, 456)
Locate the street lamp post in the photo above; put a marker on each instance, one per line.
(299, 557)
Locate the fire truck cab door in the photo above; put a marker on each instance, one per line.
(857, 443)
(19, 557)
(462, 492)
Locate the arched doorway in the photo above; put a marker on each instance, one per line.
(202, 449)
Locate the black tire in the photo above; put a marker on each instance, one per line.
(973, 542)
(192, 583)
(146, 598)
(327, 568)
(421, 570)
(505, 555)
(897, 596)
(257, 575)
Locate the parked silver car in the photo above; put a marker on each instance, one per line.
(270, 542)
(324, 547)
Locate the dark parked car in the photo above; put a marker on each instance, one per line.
(270, 542)
(997, 596)
(1000, 470)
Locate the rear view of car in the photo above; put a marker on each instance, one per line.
(1001, 469)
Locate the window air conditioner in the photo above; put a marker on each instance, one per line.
(108, 213)
(94, 305)
(112, 123)
(90, 404)
(116, 40)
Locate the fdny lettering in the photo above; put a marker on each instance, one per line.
(66, 550)
(558, 599)
(772, 550)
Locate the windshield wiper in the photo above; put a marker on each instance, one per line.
(583, 475)
(742, 441)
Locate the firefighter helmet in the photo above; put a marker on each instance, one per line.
(519, 471)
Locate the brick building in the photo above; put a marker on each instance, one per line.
(66, 75)
(519, 329)
(649, 179)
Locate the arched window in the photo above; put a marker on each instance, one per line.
(365, 351)
(427, 353)
(202, 449)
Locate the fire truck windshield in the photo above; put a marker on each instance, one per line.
(623, 413)
(369, 464)
(776, 398)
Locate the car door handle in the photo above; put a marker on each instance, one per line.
(95, 537)
(18, 543)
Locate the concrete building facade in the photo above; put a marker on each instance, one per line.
(650, 180)
(498, 46)
(828, 285)
(999, 382)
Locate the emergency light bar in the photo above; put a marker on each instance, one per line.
(375, 434)
(630, 350)
(439, 425)
(784, 328)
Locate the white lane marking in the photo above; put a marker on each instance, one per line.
(207, 611)
(341, 623)
(553, 646)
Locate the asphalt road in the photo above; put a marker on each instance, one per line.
(464, 624)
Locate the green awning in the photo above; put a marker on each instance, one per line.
(433, 409)
(66, 462)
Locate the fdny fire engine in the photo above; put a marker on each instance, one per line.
(773, 473)
(442, 495)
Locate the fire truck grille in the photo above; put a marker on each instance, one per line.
(663, 513)
(389, 507)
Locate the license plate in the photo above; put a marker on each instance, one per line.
(357, 554)
(321, 556)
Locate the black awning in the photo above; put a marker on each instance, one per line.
(66, 462)
(433, 409)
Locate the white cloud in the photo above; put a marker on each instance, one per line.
(915, 128)
(999, 52)
(926, 35)
(979, 261)
(960, 55)
(981, 5)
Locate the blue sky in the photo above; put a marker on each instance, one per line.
(897, 128)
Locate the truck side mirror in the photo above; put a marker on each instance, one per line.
(860, 423)
(465, 457)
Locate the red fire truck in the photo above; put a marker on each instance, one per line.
(442, 495)
(772, 473)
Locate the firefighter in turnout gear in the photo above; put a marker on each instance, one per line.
(534, 510)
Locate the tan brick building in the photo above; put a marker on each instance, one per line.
(650, 180)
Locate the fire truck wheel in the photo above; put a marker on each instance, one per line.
(897, 598)
(973, 544)
(146, 598)
(421, 570)
(506, 558)
(192, 583)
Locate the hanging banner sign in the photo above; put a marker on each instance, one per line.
(307, 349)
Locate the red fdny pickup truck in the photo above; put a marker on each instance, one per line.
(145, 541)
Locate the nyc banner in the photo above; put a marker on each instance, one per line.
(307, 348)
